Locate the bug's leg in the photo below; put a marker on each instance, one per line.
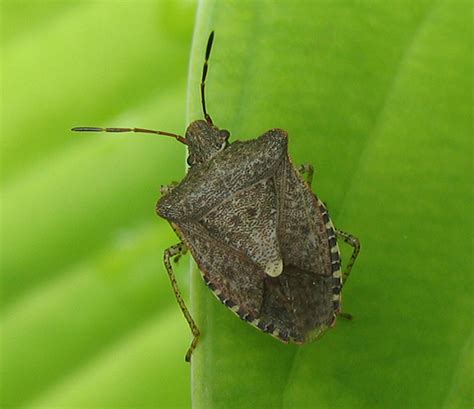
(173, 251)
(178, 256)
(307, 169)
(354, 242)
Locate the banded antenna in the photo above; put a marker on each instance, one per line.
(207, 117)
(141, 130)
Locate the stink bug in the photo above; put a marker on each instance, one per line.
(264, 243)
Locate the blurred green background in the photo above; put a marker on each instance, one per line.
(377, 95)
(88, 317)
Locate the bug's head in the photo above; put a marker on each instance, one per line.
(204, 141)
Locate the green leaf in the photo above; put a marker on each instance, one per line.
(377, 96)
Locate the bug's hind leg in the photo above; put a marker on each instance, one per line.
(176, 251)
(307, 169)
(354, 242)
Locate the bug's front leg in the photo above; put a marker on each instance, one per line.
(176, 251)
(308, 170)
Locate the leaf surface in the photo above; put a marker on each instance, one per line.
(377, 96)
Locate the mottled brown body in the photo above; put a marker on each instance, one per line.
(264, 243)
(248, 208)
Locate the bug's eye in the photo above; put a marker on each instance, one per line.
(224, 134)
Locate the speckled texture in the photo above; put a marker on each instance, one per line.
(258, 234)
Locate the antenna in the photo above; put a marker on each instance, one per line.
(142, 130)
(207, 117)
(138, 130)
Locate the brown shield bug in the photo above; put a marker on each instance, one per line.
(264, 243)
